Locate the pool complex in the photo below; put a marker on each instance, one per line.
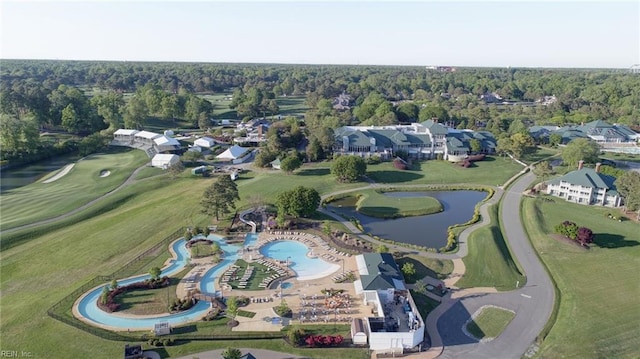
(306, 268)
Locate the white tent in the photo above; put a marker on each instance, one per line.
(164, 143)
(205, 142)
(164, 161)
(232, 153)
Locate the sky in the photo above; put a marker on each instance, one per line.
(574, 34)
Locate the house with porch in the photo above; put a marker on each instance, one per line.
(586, 186)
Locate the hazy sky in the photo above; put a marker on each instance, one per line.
(477, 33)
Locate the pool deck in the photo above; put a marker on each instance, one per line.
(306, 287)
(294, 294)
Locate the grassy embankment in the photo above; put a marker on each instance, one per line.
(39, 201)
(598, 312)
(489, 262)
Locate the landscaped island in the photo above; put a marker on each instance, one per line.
(376, 203)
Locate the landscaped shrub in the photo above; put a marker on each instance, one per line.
(283, 310)
(374, 160)
(323, 340)
(182, 304)
(212, 314)
(569, 229)
(110, 305)
(296, 336)
(399, 163)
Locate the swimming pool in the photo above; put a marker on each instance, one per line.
(87, 306)
(306, 268)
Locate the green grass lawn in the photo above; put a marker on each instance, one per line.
(489, 262)
(292, 105)
(491, 171)
(375, 204)
(82, 184)
(490, 322)
(621, 157)
(435, 268)
(425, 304)
(599, 310)
(542, 153)
(201, 249)
(259, 273)
(267, 185)
(150, 301)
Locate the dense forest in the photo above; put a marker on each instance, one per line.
(91, 98)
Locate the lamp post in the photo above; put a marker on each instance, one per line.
(343, 265)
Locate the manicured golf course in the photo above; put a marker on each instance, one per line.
(80, 185)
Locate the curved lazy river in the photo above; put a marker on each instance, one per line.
(87, 307)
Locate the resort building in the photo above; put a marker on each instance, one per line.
(395, 323)
(586, 186)
(603, 133)
(423, 140)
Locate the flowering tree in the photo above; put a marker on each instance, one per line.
(585, 236)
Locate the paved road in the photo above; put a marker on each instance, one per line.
(533, 303)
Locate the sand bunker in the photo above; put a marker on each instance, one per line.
(105, 173)
(60, 174)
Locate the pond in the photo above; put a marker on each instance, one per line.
(429, 230)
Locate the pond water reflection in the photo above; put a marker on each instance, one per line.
(429, 230)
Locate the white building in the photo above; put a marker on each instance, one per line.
(164, 161)
(396, 324)
(150, 142)
(164, 143)
(205, 142)
(586, 186)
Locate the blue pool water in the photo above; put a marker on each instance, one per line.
(306, 268)
(286, 285)
(88, 307)
(250, 239)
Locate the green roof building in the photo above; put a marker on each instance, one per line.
(586, 186)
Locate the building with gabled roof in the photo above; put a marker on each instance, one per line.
(600, 131)
(586, 186)
(419, 140)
